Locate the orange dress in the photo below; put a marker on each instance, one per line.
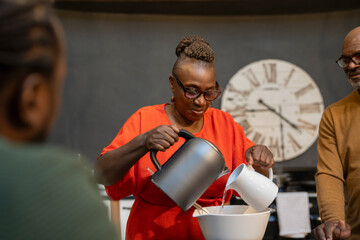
(154, 215)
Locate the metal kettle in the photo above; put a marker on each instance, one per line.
(189, 171)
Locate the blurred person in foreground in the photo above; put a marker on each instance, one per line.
(338, 169)
(45, 192)
(125, 165)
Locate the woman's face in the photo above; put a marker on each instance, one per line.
(198, 75)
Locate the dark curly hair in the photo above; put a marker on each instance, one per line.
(28, 44)
(194, 47)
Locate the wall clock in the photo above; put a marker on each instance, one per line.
(278, 104)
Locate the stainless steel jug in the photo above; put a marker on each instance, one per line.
(189, 171)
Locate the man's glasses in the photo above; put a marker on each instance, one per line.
(344, 61)
(192, 93)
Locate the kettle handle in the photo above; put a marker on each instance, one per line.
(182, 133)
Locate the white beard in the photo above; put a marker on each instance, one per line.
(354, 83)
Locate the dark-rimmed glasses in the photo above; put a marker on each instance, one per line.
(344, 61)
(193, 93)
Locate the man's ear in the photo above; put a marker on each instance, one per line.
(171, 81)
(34, 101)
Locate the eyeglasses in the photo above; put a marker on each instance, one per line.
(344, 61)
(193, 93)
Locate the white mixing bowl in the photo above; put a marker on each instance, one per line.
(231, 223)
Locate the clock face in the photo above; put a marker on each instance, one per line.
(278, 104)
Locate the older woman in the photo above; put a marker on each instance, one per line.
(125, 166)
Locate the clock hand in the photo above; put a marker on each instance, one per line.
(280, 115)
(256, 110)
(282, 138)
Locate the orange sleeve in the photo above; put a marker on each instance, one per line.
(128, 131)
(141, 121)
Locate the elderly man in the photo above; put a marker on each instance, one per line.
(338, 175)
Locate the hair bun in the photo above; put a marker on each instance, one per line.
(195, 47)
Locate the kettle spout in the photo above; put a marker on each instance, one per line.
(224, 172)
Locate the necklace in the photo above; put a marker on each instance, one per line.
(181, 121)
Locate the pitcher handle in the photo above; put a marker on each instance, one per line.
(182, 133)
(271, 173)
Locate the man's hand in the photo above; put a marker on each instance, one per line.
(332, 231)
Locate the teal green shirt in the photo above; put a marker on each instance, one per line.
(46, 193)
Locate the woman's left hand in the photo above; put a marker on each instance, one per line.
(259, 156)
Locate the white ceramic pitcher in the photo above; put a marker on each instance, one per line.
(254, 188)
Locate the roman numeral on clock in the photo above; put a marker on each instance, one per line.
(243, 93)
(306, 125)
(274, 146)
(249, 74)
(238, 111)
(270, 72)
(246, 126)
(310, 108)
(258, 138)
(287, 80)
(296, 146)
(304, 90)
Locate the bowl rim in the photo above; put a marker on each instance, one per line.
(198, 214)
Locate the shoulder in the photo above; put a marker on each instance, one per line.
(349, 99)
(341, 113)
(149, 111)
(39, 167)
(47, 166)
(45, 182)
(344, 105)
(148, 115)
(152, 108)
(35, 156)
(219, 114)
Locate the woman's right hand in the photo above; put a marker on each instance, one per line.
(161, 137)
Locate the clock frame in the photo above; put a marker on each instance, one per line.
(278, 104)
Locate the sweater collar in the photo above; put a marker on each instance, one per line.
(356, 95)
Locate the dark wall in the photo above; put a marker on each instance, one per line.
(118, 63)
